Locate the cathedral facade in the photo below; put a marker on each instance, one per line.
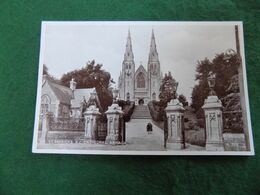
(140, 85)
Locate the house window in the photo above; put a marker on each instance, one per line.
(45, 104)
(140, 80)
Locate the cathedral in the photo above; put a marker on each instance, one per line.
(140, 85)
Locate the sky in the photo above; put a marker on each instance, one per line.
(66, 46)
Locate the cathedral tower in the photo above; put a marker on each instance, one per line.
(154, 72)
(126, 80)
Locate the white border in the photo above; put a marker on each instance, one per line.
(128, 152)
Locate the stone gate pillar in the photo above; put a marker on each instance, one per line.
(174, 113)
(214, 123)
(91, 115)
(113, 125)
(46, 119)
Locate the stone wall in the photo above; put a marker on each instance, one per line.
(234, 141)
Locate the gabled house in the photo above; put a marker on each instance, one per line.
(64, 101)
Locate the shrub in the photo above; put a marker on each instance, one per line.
(156, 110)
(128, 109)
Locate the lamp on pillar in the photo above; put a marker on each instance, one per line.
(212, 82)
(174, 114)
(213, 117)
(115, 95)
(175, 86)
(114, 114)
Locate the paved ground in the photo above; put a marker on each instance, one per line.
(138, 138)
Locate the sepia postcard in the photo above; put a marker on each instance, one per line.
(142, 88)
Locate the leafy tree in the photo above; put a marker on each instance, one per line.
(45, 71)
(224, 70)
(92, 76)
(166, 89)
(183, 100)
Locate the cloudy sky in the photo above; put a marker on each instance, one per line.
(68, 46)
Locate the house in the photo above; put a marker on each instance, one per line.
(64, 101)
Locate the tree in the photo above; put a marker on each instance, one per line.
(183, 100)
(92, 76)
(224, 70)
(45, 71)
(167, 91)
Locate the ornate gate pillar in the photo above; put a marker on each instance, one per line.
(113, 125)
(91, 115)
(46, 119)
(174, 113)
(214, 123)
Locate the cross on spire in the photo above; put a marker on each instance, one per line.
(129, 56)
(153, 54)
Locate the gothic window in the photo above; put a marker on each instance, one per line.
(154, 96)
(128, 96)
(45, 104)
(129, 66)
(140, 80)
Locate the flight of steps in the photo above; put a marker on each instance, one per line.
(141, 112)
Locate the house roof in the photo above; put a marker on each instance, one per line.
(64, 94)
(79, 94)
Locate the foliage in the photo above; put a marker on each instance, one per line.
(224, 70)
(195, 137)
(92, 76)
(167, 91)
(45, 71)
(183, 100)
(157, 110)
(128, 109)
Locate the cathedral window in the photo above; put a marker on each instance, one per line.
(140, 80)
(128, 96)
(129, 66)
(154, 96)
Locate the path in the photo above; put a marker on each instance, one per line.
(137, 137)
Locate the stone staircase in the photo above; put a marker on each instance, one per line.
(141, 112)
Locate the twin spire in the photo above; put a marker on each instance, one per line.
(129, 55)
(153, 54)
